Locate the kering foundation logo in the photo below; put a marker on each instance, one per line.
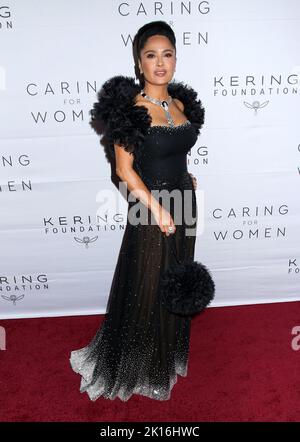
(14, 288)
(84, 229)
(256, 222)
(258, 86)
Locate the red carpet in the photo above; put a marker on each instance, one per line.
(242, 368)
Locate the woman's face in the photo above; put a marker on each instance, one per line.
(158, 54)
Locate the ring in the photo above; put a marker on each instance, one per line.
(170, 229)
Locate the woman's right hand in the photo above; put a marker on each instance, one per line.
(164, 221)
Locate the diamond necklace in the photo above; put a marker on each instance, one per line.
(164, 104)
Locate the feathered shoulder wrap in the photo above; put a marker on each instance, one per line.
(126, 124)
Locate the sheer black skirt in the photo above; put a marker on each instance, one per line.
(140, 347)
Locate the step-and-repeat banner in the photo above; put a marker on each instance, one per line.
(59, 238)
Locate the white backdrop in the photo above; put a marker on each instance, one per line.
(57, 257)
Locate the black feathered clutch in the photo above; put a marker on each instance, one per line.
(186, 287)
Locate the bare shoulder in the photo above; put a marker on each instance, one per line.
(179, 104)
(140, 100)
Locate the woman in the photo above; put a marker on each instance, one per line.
(140, 347)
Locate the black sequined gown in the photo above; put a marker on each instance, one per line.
(140, 347)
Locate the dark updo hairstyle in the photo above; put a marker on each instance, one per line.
(153, 28)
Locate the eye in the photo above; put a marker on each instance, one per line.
(169, 54)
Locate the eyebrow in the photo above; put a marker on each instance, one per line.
(153, 50)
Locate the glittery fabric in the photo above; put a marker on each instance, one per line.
(141, 348)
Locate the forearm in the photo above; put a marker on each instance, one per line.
(194, 179)
(138, 189)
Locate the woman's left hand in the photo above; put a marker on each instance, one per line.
(194, 180)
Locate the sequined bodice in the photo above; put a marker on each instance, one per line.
(163, 156)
